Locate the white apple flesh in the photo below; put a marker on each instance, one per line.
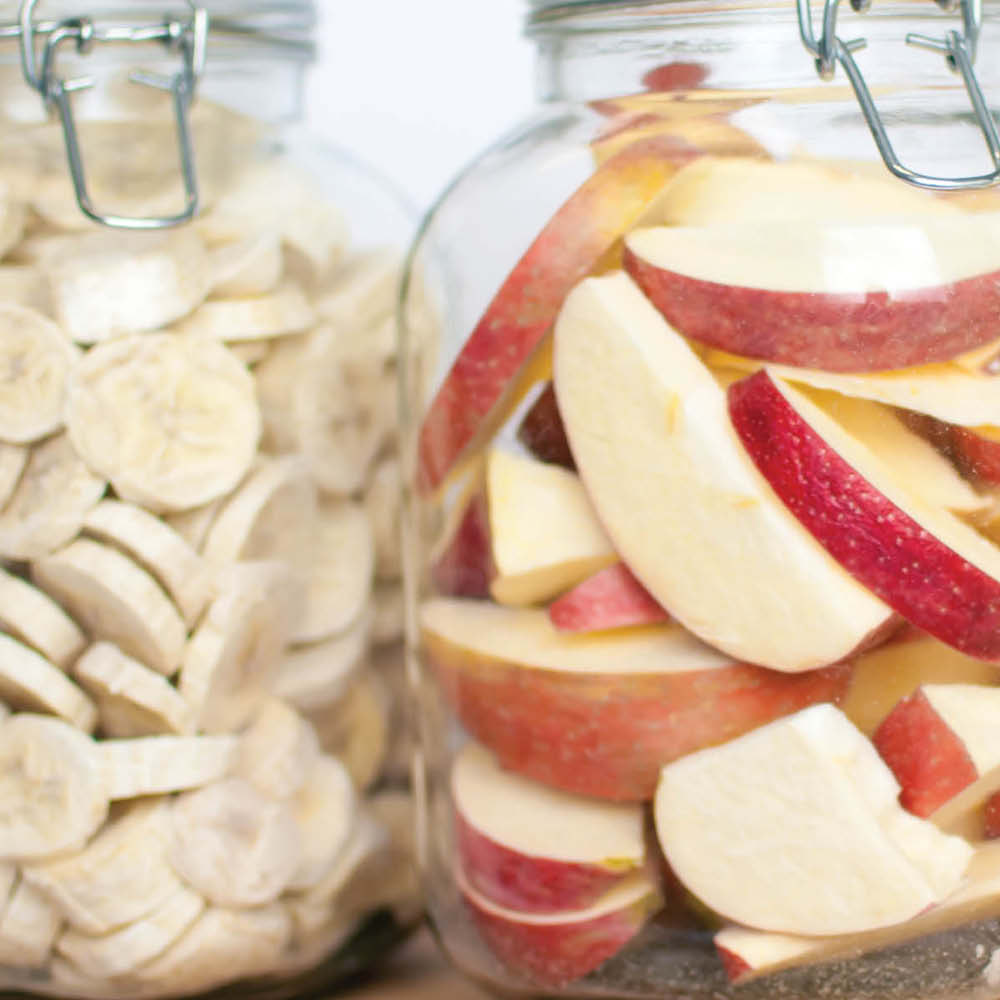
(795, 828)
(684, 506)
(544, 533)
(935, 570)
(536, 849)
(842, 297)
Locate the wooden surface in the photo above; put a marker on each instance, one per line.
(417, 972)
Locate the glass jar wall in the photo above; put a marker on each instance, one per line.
(200, 612)
(701, 517)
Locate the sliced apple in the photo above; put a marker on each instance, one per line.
(545, 535)
(991, 817)
(715, 191)
(684, 506)
(944, 391)
(542, 431)
(941, 744)
(534, 849)
(516, 322)
(935, 570)
(463, 564)
(976, 452)
(839, 296)
(795, 828)
(884, 676)
(612, 598)
(748, 954)
(599, 714)
(555, 949)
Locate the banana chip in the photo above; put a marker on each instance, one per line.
(261, 317)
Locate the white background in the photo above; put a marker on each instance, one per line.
(419, 87)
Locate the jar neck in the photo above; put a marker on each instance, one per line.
(605, 51)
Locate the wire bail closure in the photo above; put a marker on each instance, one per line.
(187, 37)
(958, 48)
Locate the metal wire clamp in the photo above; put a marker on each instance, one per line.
(958, 48)
(187, 37)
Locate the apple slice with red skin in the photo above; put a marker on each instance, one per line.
(932, 568)
(991, 817)
(535, 849)
(542, 431)
(796, 828)
(686, 509)
(556, 949)
(977, 453)
(749, 954)
(613, 598)
(885, 676)
(839, 297)
(940, 743)
(599, 714)
(521, 314)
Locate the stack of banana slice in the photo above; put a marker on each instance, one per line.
(200, 605)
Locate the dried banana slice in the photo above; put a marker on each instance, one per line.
(338, 582)
(159, 549)
(363, 293)
(277, 750)
(250, 352)
(172, 421)
(52, 497)
(35, 361)
(313, 677)
(144, 281)
(53, 791)
(29, 681)
(362, 743)
(389, 623)
(25, 285)
(271, 516)
(124, 950)
(193, 525)
(33, 617)
(325, 808)
(13, 459)
(248, 267)
(120, 876)
(343, 412)
(278, 376)
(275, 198)
(221, 946)
(284, 311)
(383, 499)
(132, 700)
(29, 924)
(115, 599)
(13, 218)
(158, 765)
(233, 844)
(230, 660)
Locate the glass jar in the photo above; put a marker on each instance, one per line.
(200, 612)
(702, 512)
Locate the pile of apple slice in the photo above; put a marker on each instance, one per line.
(736, 574)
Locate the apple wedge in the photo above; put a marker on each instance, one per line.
(933, 569)
(838, 296)
(599, 714)
(795, 828)
(612, 598)
(686, 509)
(713, 191)
(748, 954)
(544, 534)
(542, 432)
(941, 744)
(521, 314)
(555, 949)
(883, 677)
(534, 849)
(976, 452)
(944, 391)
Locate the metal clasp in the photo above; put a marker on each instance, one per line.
(187, 37)
(958, 48)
